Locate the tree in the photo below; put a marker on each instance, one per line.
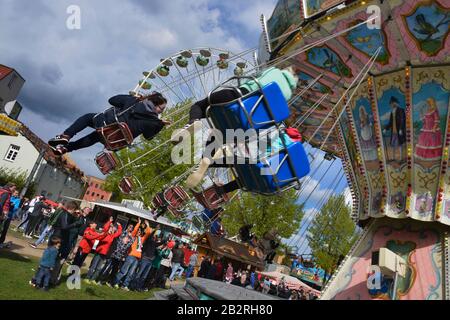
(332, 233)
(155, 169)
(19, 178)
(279, 212)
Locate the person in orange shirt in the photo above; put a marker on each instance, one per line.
(126, 273)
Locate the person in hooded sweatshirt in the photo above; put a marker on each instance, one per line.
(140, 113)
(86, 244)
(102, 250)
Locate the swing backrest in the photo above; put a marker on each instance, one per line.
(126, 185)
(175, 197)
(210, 199)
(158, 201)
(116, 136)
(260, 109)
(279, 172)
(106, 161)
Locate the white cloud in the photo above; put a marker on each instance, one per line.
(71, 72)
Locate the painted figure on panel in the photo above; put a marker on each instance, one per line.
(397, 127)
(368, 145)
(429, 144)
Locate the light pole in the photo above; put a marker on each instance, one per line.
(32, 173)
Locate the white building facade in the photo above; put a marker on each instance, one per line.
(55, 179)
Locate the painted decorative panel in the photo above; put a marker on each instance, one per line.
(430, 111)
(391, 105)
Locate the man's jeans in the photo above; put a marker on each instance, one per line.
(127, 271)
(47, 231)
(189, 271)
(144, 268)
(176, 267)
(96, 266)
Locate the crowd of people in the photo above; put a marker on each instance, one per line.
(134, 257)
(137, 257)
(250, 280)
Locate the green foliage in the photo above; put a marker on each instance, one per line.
(279, 212)
(19, 178)
(156, 169)
(332, 233)
(17, 270)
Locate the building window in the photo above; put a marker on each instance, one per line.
(11, 82)
(98, 195)
(12, 152)
(93, 194)
(96, 185)
(103, 197)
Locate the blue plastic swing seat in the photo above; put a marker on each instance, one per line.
(269, 179)
(216, 226)
(234, 117)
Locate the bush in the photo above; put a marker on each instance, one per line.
(19, 178)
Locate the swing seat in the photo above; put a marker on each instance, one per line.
(126, 185)
(275, 174)
(210, 199)
(209, 216)
(171, 199)
(116, 136)
(260, 109)
(106, 161)
(216, 228)
(210, 219)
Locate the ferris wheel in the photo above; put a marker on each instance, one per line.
(183, 78)
(191, 74)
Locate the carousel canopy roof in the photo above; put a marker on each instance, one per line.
(391, 131)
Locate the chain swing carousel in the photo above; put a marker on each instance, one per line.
(392, 136)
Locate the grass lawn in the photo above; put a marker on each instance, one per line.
(16, 271)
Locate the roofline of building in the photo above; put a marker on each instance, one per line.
(13, 70)
(40, 146)
(224, 253)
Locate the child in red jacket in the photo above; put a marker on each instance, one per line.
(86, 244)
(102, 250)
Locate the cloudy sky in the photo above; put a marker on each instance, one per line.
(71, 72)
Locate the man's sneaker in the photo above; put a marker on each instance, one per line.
(116, 286)
(96, 283)
(109, 285)
(59, 150)
(59, 139)
(31, 283)
(87, 281)
(125, 289)
(33, 245)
